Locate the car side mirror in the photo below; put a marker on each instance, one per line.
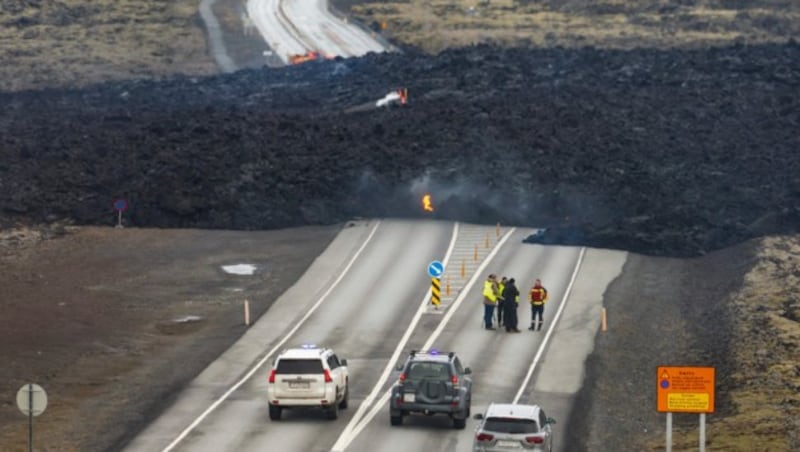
(478, 416)
(551, 420)
(399, 367)
(467, 371)
(343, 362)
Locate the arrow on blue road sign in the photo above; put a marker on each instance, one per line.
(435, 269)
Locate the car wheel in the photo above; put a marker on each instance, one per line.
(396, 420)
(275, 412)
(344, 402)
(332, 412)
(459, 423)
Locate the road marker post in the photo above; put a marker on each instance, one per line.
(603, 323)
(463, 269)
(247, 312)
(436, 292)
(447, 286)
(476, 252)
(497, 229)
(486, 244)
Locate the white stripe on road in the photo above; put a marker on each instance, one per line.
(280, 343)
(354, 427)
(400, 346)
(551, 329)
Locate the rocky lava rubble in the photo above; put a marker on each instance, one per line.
(674, 152)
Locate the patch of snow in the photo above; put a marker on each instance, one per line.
(239, 269)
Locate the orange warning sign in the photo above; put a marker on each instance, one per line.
(685, 389)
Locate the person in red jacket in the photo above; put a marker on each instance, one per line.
(537, 297)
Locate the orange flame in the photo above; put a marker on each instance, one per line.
(427, 205)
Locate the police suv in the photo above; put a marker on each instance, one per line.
(308, 376)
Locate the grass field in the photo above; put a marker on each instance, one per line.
(433, 25)
(52, 43)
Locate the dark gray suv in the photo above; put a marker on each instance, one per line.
(432, 382)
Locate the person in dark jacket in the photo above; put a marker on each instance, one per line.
(511, 297)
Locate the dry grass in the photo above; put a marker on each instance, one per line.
(77, 42)
(434, 25)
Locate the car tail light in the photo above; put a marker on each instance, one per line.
(272, 376)
(484, 437)
(328, 378)
(534, 439)
(402, 377)
(454, 379)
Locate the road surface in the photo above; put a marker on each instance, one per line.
(367, 297)
(295, 27)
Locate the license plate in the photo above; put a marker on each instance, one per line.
(509, 444)
(298, 384)
(409, 397)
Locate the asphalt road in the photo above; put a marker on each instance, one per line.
(298, 26)
(367, 297)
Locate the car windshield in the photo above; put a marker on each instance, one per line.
(510, 425)
(422, 370)
(299, 366)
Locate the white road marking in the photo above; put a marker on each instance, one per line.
(400, 346)
(280, 343)
(354, 427)
(550, 330)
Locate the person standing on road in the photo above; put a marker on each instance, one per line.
(511, 297)
(538, 297)
(489, 300)
(500, 300)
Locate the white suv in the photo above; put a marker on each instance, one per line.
(308, 376)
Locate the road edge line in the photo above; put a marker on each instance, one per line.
(550, 330)
(280, 343)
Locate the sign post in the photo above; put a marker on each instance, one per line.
(120, 205)
(685, 390)
(31, 401)
(435, 270)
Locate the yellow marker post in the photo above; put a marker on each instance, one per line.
(487, 240)
(447, 286)
(463, 269)
(476, 252)
(436, 293)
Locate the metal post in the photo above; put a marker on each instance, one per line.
(669, 432)
(30, 417)
(702, 432)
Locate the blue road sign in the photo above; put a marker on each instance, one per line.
(435, 269)
(120, 205)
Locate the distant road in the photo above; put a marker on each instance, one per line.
(293, 27)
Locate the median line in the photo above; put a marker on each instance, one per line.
(356, 425)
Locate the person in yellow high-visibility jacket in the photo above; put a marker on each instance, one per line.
(489, 300)
(500, 300)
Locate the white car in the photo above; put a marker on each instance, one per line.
(308, 376)
(507, 426)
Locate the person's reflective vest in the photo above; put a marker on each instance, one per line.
(500, 288)
(488, 291)
(538, 296)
